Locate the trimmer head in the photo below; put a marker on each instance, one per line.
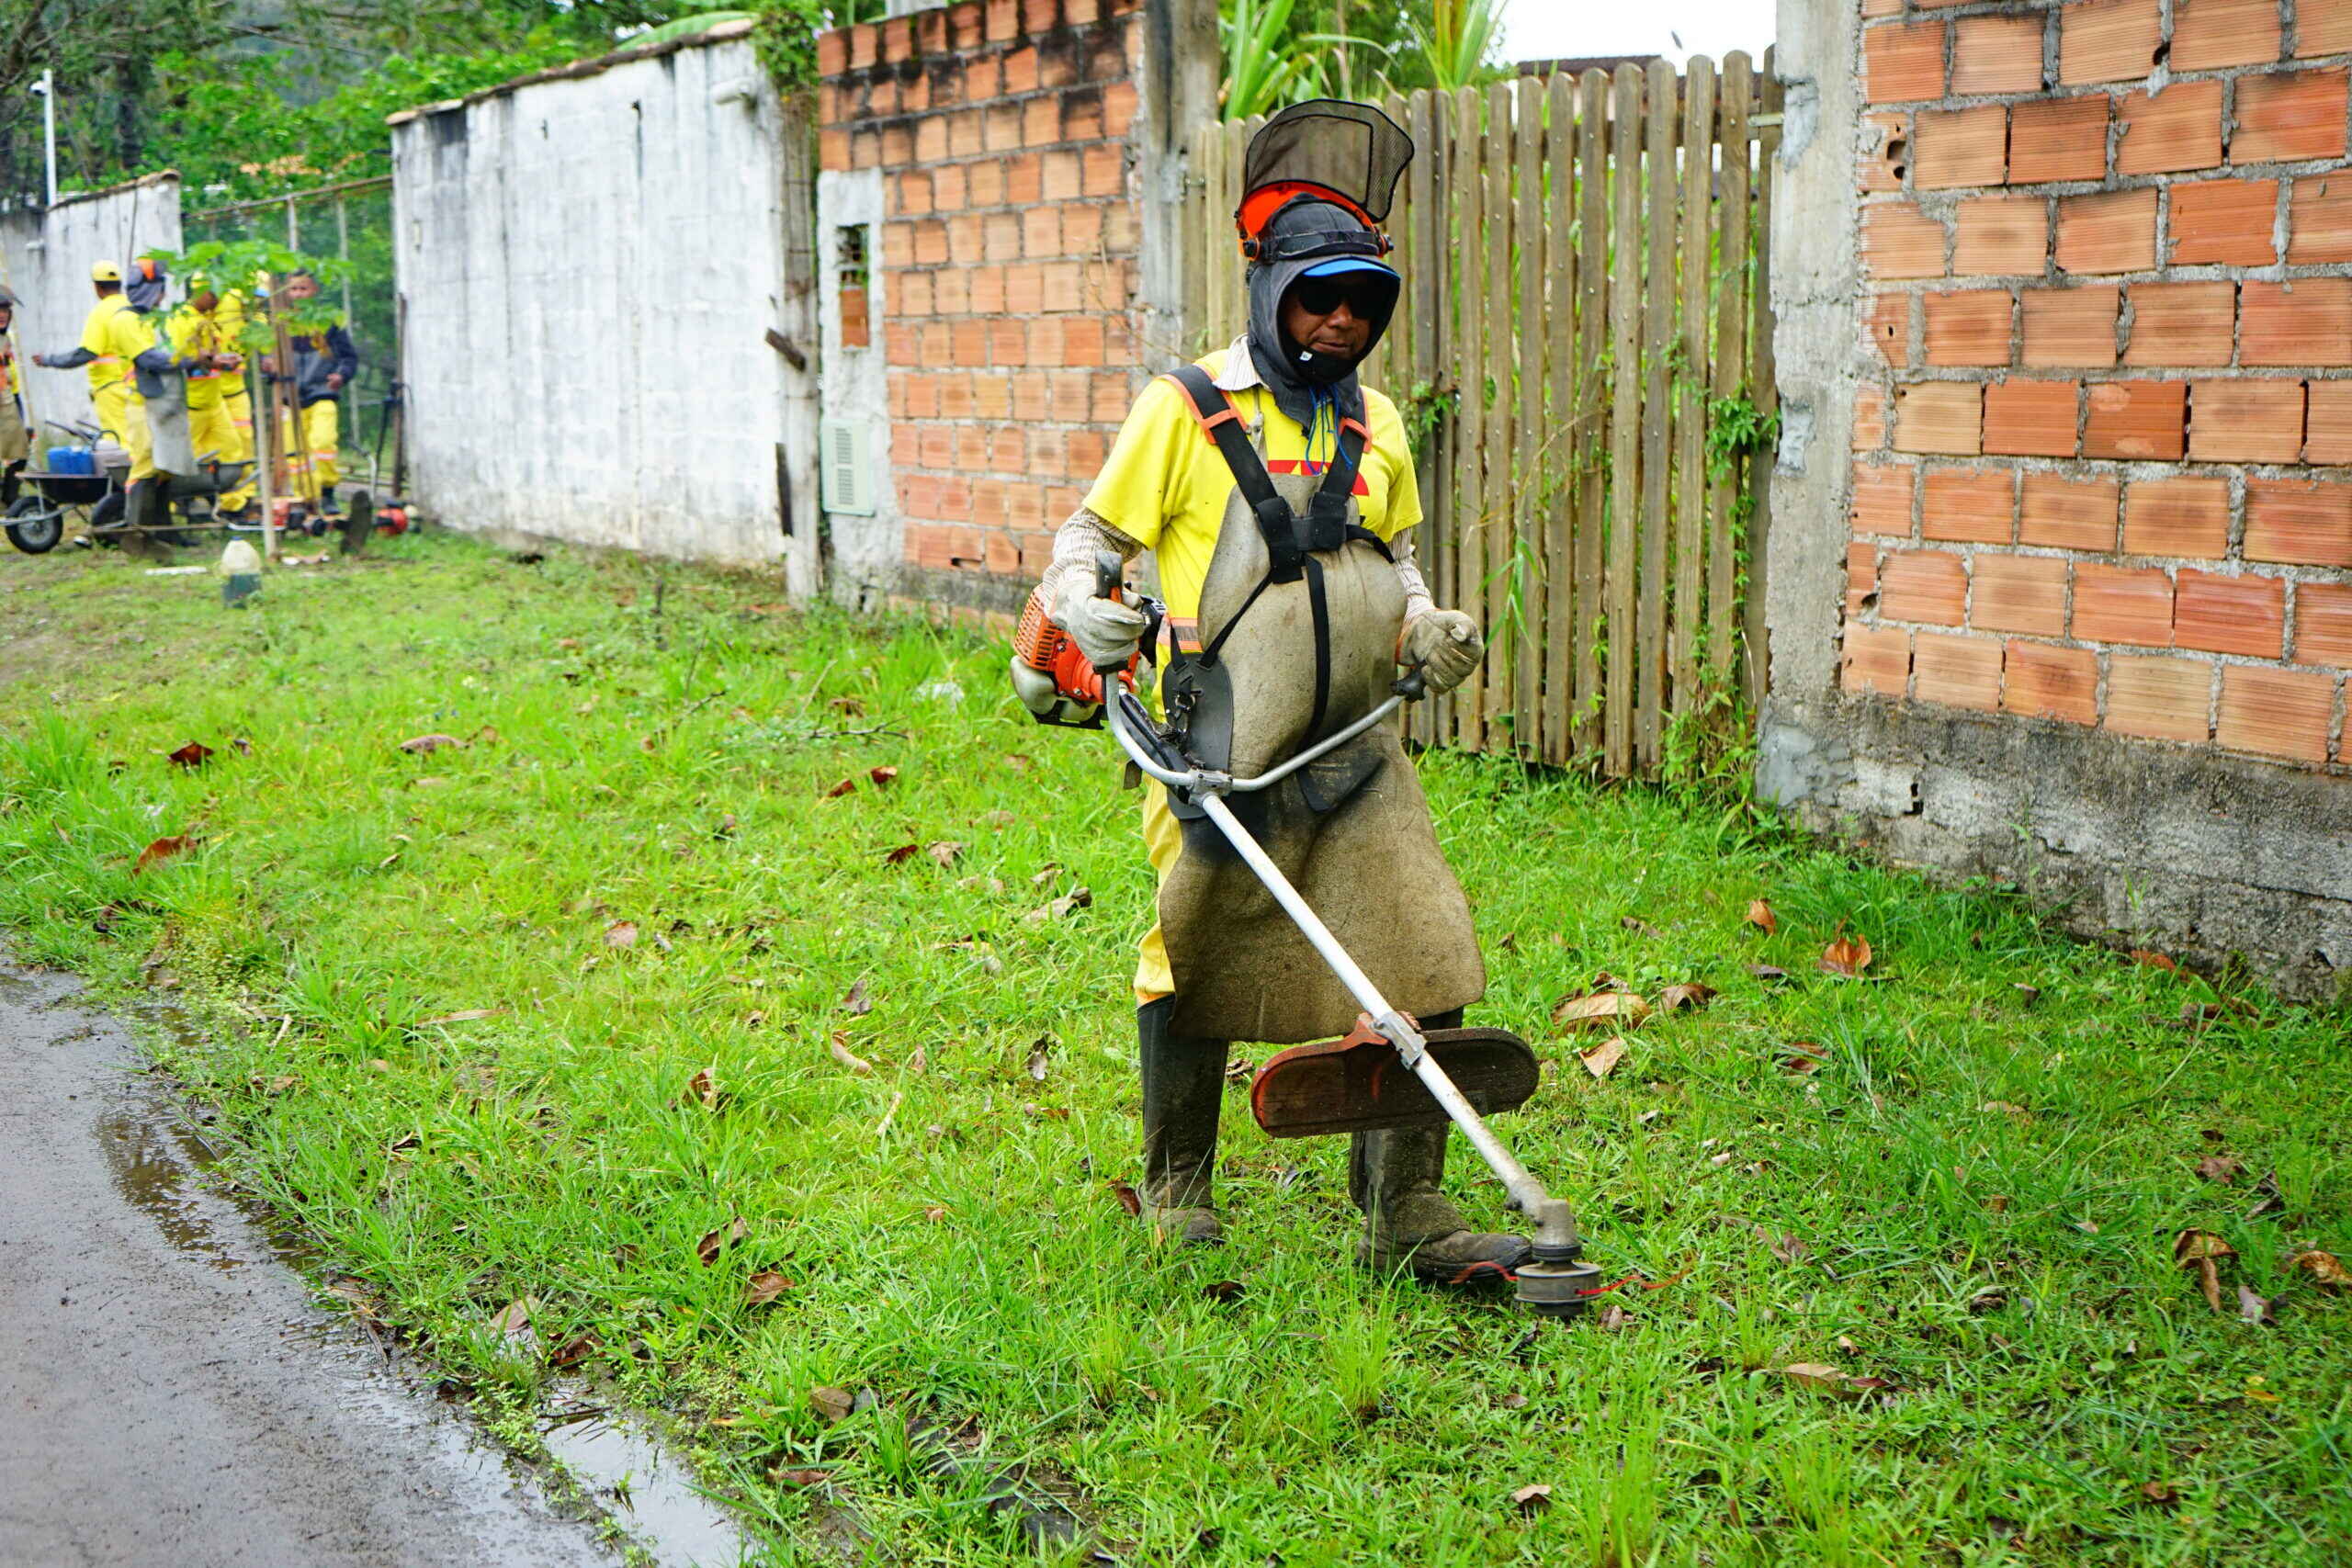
(1359, 1084)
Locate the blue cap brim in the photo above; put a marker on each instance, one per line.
(1338, 265)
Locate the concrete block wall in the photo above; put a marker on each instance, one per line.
(2096, 466)
(1004, 298)
(47, 255)
(2060, 580)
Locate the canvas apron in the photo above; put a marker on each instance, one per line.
(1351, 830)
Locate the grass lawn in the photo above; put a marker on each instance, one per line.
(623, 1006)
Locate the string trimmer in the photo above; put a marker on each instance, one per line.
(1351, 1085)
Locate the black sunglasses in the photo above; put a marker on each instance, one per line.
(1367, 294)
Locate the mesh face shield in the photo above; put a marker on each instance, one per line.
(1350, 154)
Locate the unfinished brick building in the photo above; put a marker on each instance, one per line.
(2091, 349)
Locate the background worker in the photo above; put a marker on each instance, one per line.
(322, 364)
(1273, 651)
(203, 334)
(112, 336)
(16, 439)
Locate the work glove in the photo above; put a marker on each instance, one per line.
(1443, 645)
(1106, 631)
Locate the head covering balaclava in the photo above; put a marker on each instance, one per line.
(145, 284)
(1300, 381)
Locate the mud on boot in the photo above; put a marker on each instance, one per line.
(1394, 1177)
(1184, 1089)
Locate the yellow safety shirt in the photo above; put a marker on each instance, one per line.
(194, 333)
(114, 331)
(1165, 484)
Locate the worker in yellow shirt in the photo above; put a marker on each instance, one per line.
(312, 441)
(118, 339)
(15, 440)
(206, 342)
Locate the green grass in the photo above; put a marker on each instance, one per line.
(664, 741)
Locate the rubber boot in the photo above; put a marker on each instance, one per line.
(1184, 1089)
(1396, 1177)
(144, 513)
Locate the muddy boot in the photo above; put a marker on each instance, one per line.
(1395, 1176)
(1184, 1089)
(145, 510)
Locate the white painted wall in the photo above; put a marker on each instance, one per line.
(47, 258)
(867, 551)
(589, 267)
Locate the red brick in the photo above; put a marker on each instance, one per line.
(1862, 578)
(1889, 158)
(864, 45)
(2031, 418)
(2159, 699)
(898, 39)
(1081, 116)
(2327, 423)
(1041, 232)
(2064, 514)
(1041, 122)
(2296, 114)
(2119, 604)
(2059, 139)
(2004, 234)
(1938, 416)
(2247, 422)
(1875, 9)
(1996, 54)
(2308, 322)
(2319, 220)
(2323, 624)
(2280, 713)
(1968, 327)
(1870, 417)
(2209, 35)
(1889, 323)
(832, 52)
(2167, 132)
(2137, 420)
(1901, 63)
(1882, 499)
(1875, 660)
(2231, 614)
(2042, 681)
(2069, 327)
(1118, 108)
(992, 396)
(1958, 672)
(1898, 241)
(1025, 178)
(2187, 516)
(2111, 232)
(1959, 147)
(834, 149)
(2306, 524)
(1923, 585)
(1000, 127)
(2182, 324)
(2229, 221)
(2107, 41)
(1104, 171)
(2018, 593)
(1004, 20)
(2322, 27)
(1975, 506)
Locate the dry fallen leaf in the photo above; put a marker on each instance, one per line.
(855, 1002)
(832, 1403)
(1038, 1050)
(162, 848)
(1771, 974)
(512, 1324)
(2251, 1307)
(1223, 1290)
(764, 1287)
(1531, 1500)
(1641, 928)
(424, 745)
(935, 1212)
(849, 707)
(944, 852)
(1760, 914)
(800, 1476)
(1601, 1009)
(621, 933)
(1691, 995)
(845, 787)
(2324, 1268)
(1788, 1249)
(576, 1351)
(1814, 1375)
(467, 1016)
(713, 1243)
(2017, 1114)
(358, 1297)
(2201, 1250)
(703, 1088)
(1847, 956)
(2222, 1168)
(1126, 1195)
(901, 855)
(2154, 960)
(1798, 1057)
(2158, 1492)
(847, 1057)
(191, 755)
(883, 777)
(1602, 1059)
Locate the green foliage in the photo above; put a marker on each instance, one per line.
(1281, 51)
(235, 264)
(1456, 44)
(1263, 67)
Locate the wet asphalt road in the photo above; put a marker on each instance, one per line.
(168, 1394)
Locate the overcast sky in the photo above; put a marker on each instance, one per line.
(1552, 29)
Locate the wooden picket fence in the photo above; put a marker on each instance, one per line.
(1584, 356)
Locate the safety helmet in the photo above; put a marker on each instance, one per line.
(1323, 150)
(106, 272)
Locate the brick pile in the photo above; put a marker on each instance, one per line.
(2095, 475)
(1007, 259)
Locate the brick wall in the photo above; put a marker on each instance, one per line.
(2096, 459)
(1007, 264)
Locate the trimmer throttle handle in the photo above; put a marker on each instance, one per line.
(1108, 570)
(1412, 685)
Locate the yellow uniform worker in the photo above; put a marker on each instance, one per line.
(198, 333)
(113, 334)
(15, 440)
(322, 364)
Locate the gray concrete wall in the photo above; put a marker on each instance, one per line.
(591, 263)
(47, 258)
(2203, 856)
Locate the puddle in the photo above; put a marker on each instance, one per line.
(646, 1487)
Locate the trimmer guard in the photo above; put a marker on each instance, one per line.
(1359, 1084)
